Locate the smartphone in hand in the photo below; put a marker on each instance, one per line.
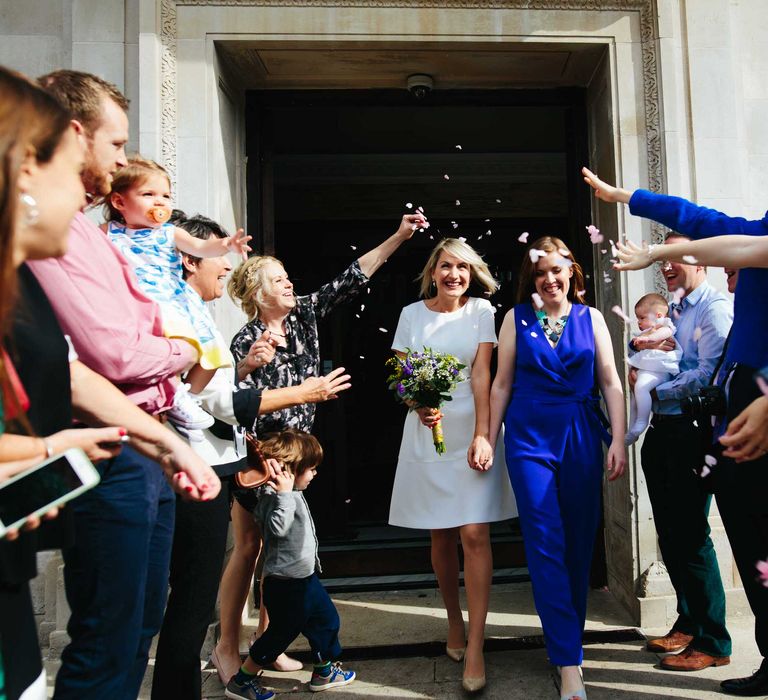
(38, 489)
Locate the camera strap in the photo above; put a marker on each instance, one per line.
(713, 378)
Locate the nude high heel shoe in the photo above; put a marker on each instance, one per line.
(456, 655)
(472, 685)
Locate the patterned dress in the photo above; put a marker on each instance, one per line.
(156, 261)
(300, 358)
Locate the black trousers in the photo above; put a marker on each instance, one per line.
(671, 451)
(18, 639)
(742, 497)
(197, 558)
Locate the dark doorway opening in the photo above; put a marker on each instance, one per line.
(329, 175)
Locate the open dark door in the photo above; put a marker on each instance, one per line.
(329, 175)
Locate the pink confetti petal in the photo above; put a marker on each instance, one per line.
(705, 471)
(604, 251)
(488, 232)
(678, 294)
(354, 247)
(690, 260)
(462, 239)
(383, 330)
(534, 334)
(565, 253)
(458, 147)
(534, 254)
(420, 210)
(458, 202)
(523, 321)
(498, 201)
(595, 236)
(563, 262)
(357, 315)
(763, 385)
(762, 567)
(523, 237)
(446, 177)
(620, 313)
(362, 357)
(709, 460)
(537, 300)
(349, 500)
(409, 205)
(581, 293)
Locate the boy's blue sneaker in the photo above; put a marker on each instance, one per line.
(336, 677)
(250, 690)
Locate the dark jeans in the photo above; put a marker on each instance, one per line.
(297, 606)
(18, 639)
(116, 579)
(199, 545)
(671, 451)
(742, 497)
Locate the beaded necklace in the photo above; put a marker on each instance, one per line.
(552, 331)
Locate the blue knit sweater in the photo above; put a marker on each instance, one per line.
(749, 337)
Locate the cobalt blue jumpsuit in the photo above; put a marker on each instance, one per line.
(553, 433)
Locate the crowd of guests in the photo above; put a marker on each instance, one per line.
(106, 329)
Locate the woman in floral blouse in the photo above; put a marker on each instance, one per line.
(279, 347)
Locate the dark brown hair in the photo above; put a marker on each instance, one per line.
(82, 95)
(31, 123)
(527, 283)
(297, 450)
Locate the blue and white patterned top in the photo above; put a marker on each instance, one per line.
(156, 260)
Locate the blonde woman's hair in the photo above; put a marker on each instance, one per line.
(132, 175)
(249, 283)
(478, 268)
(296, 449)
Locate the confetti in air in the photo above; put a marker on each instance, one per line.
(462, 239)
(534, 334)
(594, 234)
(458, 202)
(454, 224)
(534, 254)
(409, 205)
(581, 293)
(446, 177)
(762, 384)
(705, 471)
(488, 232)
(354, 247)
(762, 570)
(458, 147)
(709, 460)
(357, 315)
(690, 260)
(614, 251)
(383, 330)
(563, 262)
(523, 237)
(620, 313)
(498, 201)
(697, 334)
(537, 300)
(524, 322)
(420, 210)
(565, 253)
(349, 500)
(604, 251)
(678, 295)
(362, 307)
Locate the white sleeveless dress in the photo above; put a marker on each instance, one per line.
(433, 491)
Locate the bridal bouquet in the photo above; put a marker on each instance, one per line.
(425, 380)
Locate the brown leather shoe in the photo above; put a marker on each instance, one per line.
(692, 660)
(671, 642)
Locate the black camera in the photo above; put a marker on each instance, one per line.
(709, 401)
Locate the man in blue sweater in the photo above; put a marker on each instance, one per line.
(740, 488)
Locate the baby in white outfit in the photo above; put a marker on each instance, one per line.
(654, 367)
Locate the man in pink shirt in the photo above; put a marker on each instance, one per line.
(116, 573)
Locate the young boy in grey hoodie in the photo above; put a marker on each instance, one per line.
(293, 595)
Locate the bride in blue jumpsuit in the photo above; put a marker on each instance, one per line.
(552, 361)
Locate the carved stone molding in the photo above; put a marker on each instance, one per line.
(648, 32)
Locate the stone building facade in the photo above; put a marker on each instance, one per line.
(676, 101)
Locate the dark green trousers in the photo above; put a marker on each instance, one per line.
(671, 451)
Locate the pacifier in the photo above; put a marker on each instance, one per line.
(159, 214)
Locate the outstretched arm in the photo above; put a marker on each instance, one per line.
(608, 193)
(374, 259)
(721, 251)
(212, 247)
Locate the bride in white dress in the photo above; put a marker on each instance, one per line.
(455, 495)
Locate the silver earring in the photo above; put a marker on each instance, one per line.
(31, 212)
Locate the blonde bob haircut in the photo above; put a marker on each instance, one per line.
(296, 449)
(478, 269)
(249, 283)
